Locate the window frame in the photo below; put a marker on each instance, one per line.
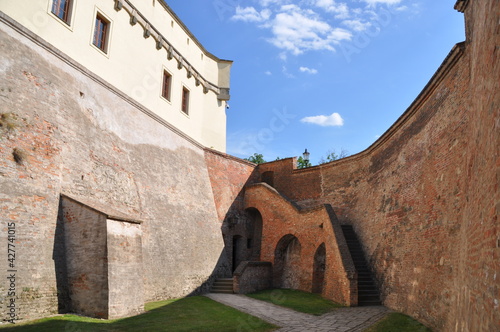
(105, 48)
(67, 19)
(185, 100)
(166, 93)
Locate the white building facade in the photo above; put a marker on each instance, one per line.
(145, 51)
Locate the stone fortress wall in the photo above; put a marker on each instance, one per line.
(76, 138)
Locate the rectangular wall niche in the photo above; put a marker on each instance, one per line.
(98, 261)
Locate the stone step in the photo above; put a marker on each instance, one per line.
(223, 285)
(367, 303)
(224, 282)
(367, 290)
(367, 287)
(218, 286)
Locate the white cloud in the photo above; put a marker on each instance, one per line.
(297, 31)
(268, 73)
(308, 70)
(325, 120)
(283, 56)
(340, 9)
(299, 26)
(386, 2)
(357, 25)
(250, 14)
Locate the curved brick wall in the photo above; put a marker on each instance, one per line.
(424, 198)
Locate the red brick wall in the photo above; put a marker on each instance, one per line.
(311, 227)
(295, 184)
(424, 198)
(228, 177)
(405, 198)
(478, 300)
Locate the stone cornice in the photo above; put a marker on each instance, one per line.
(172, 53)
(461, 5)
(189, 33)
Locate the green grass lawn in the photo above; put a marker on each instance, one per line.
(396, 322)
(196, 313)
(308, 303)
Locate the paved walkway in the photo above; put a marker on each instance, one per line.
(351, 319)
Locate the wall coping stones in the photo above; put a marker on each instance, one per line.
(448, 64)
(243, 265)
(228, 156)
(109, 215)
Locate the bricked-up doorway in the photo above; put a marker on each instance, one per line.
(97, 275)
(319, 267)
(287, 263)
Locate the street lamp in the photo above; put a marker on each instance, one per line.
(305, 156)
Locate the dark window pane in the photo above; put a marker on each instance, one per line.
(166, 85)
(61, 8)
(185, 100)
(100, 32)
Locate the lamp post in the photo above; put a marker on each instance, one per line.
(305, 156)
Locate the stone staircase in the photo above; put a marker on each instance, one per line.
(223, 285)
(367, 290)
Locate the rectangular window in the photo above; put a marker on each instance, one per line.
(101, 31)
(185, 100)
(167, 81)
(62, 9)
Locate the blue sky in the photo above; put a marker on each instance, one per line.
(321, 74)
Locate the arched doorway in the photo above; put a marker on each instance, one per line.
(254, 231)
(238, 251)
(319, 267)
(287, 263)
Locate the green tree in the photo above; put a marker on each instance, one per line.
(332, 156)
(257, 158)
(301, 163)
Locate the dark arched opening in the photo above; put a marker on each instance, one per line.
(238, 251)
(319, 268)
(287, 263)
(254, 232)
(268, 177)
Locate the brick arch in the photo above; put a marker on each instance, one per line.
(287, 262)
(319, 268)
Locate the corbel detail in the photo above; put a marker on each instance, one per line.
(161, 42)
(147, 31)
